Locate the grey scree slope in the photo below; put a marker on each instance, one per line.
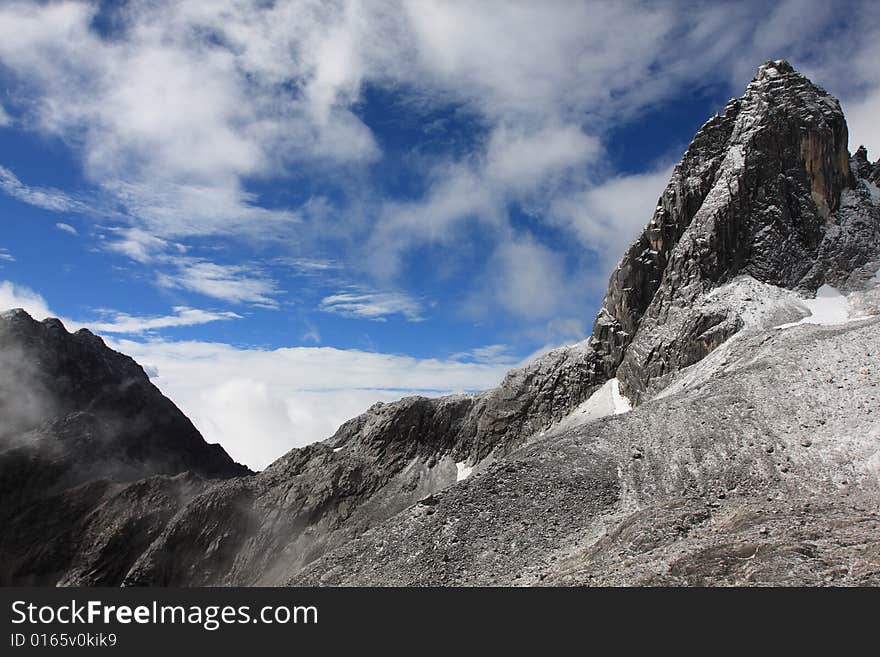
(752, 455)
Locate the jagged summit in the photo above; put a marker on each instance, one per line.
(774, 68)
(765, 189)
(50, 376)
(550, 475)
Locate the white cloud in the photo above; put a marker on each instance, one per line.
(18, 296)
(183, 316)
(259, 404)
(188, 100)
(521, 160)
(6, 255)
(525, 278)
(66, 228)
(189, 103)
(48, 199)
(232, 283)
(5, 119)
(113, 322)
(557, 332)
(491, 353)
(137, 244)
(864, 127)
(376, 306)
(519, 163)
(312, 334)
(608, 217)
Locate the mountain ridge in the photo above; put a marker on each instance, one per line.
(765, 207)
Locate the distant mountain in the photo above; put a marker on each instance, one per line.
(81, 427)
(752, 455)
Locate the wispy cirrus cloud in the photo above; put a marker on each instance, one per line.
(138, 244)
(375, 306)
(55, 200)
(232, 283)
(123, 323)
(174, 269)
(112, 322)
(491, 353)
(5, 255)
(67, 228)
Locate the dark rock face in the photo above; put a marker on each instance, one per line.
(94, 402)
(81, 426)
(107, 483)
(765, 189)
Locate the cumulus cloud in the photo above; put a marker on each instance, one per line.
(19, 296)
(864, 128)
(525, 278)
(188, 99)
(179, 112)
(258, 404)
(261, 403)
(184, 109)
(862, 107)
(606, 218)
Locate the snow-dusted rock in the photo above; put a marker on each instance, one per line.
(750, 456)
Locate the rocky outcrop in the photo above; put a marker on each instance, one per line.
(762, 467)
(81, 427)
(766, 189)
(74, 396)
(264, 529)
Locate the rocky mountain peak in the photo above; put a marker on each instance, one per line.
(774, 69)
(766, 197)
(765, 189)
(51, 380)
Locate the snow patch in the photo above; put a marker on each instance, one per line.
(463, 471)
(874, 191)
(759, 305)
(605, 401)
(829, 308)
(619, 403)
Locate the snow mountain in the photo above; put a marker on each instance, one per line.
(720, 426)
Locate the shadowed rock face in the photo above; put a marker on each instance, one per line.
(676, 491)
(766, 189)
(81, 426)
(95, 403)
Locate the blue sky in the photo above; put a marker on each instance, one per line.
(289, 210)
